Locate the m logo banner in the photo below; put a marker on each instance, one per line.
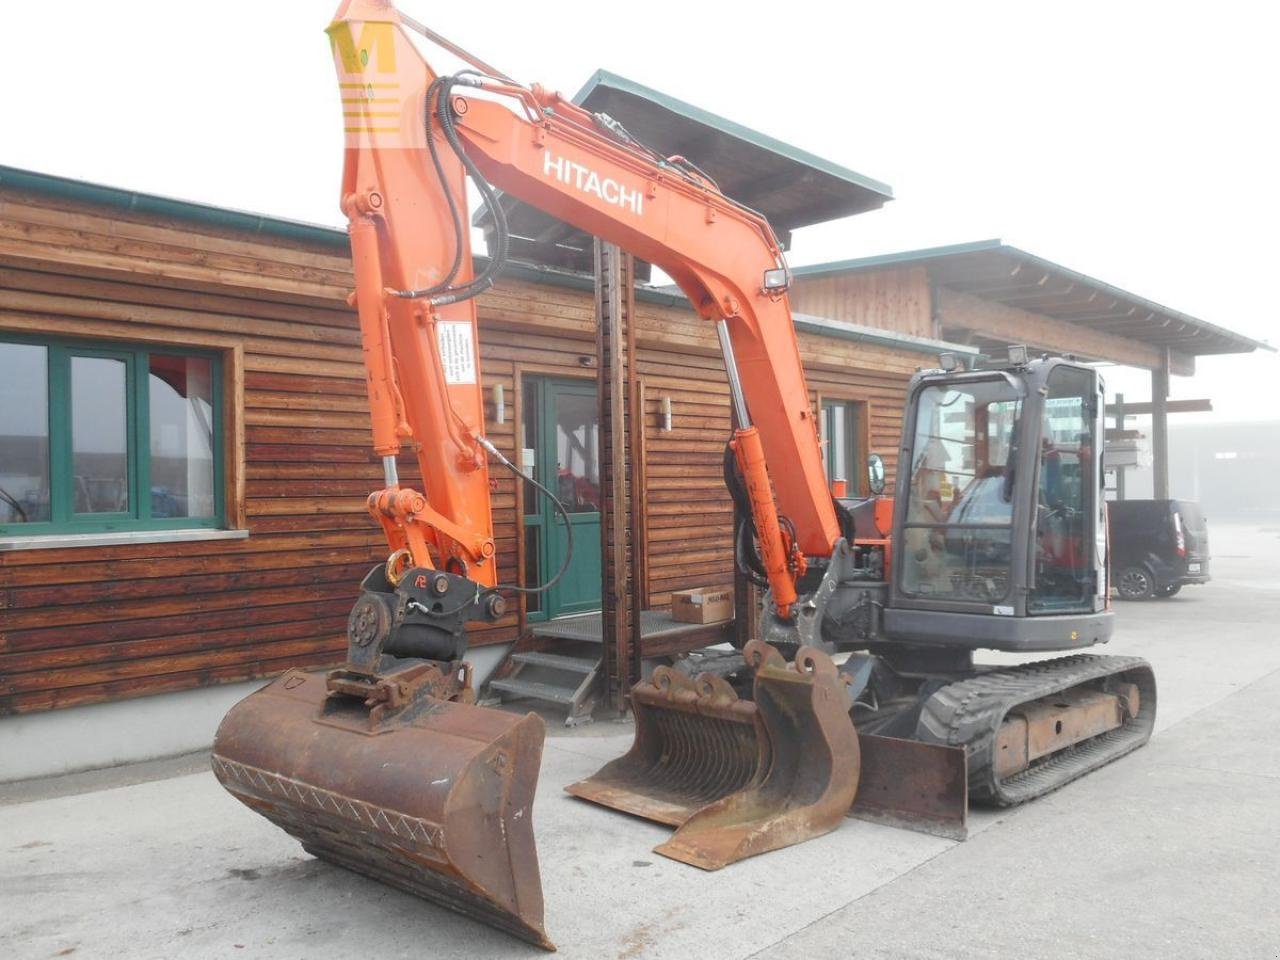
(376, 45)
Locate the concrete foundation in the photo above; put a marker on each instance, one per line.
(100, 735)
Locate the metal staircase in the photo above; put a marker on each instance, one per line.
(573, 675)
(569, 677)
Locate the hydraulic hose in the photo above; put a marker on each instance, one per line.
(443, 293)
(560, 508)
(745, 554)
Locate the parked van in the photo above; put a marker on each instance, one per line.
(1156, 547)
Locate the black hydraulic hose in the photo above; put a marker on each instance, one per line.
(443, 293)
(433, 94)
(498, 257)
(733, 480)
(560, 508)
(432, 100)
(745, 554)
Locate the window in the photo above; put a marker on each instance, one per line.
(1066, 499)
(106, 438)
(958, 543)
(840, 451)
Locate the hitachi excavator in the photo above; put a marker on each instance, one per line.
(995, 539)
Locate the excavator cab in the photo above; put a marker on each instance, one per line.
(999, 512)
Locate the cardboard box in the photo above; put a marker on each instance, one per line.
(702, 605)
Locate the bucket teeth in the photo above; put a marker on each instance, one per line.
(435, 800)
(737, 777)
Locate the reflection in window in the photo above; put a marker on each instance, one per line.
(182, 475)
(957, 538)
(1065, 503)
(839, 425)
(99, 435)
(106, 438)
(24, 433)
(577, 452)
(529, 443)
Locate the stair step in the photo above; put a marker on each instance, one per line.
(588, 628)
(531, 688)
(556, 661)
(566, 635)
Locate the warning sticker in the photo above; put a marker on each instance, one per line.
(456, 353)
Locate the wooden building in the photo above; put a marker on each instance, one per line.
(184, 437)
(184, 440)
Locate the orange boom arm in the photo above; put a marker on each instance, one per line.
(421, 354)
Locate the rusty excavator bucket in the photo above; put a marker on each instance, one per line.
(434, 799)
(737, 777)
(387, 768)
(740, 777)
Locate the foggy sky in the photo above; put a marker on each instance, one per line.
(1134, 142)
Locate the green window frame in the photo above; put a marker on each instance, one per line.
(137, 365)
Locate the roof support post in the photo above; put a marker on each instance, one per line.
(617, 608)
(1160, 429)
(1120, 471)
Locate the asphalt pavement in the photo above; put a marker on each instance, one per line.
(1172, 852)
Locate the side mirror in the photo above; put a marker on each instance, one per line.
(875, 474)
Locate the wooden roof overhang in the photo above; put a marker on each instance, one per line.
(991, 294)
(791, 187)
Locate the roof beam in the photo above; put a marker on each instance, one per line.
(1171, 406)
(1014, 325)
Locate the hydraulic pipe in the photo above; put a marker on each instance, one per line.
(742, 417)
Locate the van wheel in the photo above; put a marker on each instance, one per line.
(1135, 583)
(1170, 591)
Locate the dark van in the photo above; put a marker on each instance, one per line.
(1156, 547)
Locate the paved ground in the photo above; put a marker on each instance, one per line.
(1172, 852)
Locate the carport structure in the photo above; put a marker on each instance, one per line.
(990, 295)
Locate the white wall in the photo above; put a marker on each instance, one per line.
(55, 742)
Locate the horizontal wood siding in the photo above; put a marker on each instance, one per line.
(690, 515)
(890, 299)
(80, 625)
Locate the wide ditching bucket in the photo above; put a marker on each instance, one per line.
(737, 777)
(433, 797)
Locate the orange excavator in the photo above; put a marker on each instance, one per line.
(386, 765)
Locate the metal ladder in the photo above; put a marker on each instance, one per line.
(566, 679)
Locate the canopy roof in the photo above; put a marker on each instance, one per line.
(994, 270)
(791, 187)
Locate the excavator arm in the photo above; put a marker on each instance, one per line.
(411, 134)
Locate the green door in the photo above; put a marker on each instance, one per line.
(561, 437)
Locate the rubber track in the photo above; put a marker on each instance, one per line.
(969, 713)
